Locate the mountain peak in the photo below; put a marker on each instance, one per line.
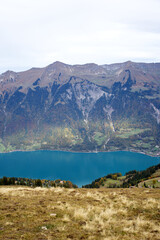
(128, 62)
(58, 63)
(8, 72)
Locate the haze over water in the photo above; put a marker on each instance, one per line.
(80, 168)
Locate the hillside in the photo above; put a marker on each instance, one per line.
(59, 213)
(81, 108)
(146, 178)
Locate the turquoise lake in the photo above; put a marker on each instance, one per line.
(80, 168)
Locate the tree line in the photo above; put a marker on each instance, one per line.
(36, 182)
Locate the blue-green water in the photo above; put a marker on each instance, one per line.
(80, 168)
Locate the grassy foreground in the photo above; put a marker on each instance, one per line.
(59, 213)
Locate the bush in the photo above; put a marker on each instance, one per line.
(38, 183)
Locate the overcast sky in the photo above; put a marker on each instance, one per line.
(35, 33)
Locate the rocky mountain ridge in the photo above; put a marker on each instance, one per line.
(86, 107)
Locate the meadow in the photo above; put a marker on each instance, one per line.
(59, 213)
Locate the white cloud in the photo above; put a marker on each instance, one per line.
(38, 32)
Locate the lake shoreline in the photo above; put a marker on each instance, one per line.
(68, 151)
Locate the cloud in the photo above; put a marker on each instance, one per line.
(36, 33)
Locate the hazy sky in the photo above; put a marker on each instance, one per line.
(35, 33)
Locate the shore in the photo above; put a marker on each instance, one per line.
(71, 151)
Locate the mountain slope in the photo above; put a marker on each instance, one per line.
(82, 108)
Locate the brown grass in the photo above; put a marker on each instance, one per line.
(56, 213)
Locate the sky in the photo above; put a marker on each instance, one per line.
(36, 33)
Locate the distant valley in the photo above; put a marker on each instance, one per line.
(86, 107)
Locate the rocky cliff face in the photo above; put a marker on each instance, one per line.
(81, 107)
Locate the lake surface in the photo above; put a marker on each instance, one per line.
(80, 168)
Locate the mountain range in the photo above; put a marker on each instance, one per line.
(88, 107)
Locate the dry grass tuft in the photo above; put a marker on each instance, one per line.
(57, 213)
